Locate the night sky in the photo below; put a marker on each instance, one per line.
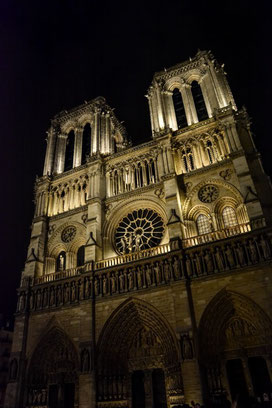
(56, 54)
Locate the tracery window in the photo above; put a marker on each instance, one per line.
(203, 224)
(140, 229)
(210, 151)
(86, 143)
(200, 105)
(179, 109)
(229, 217)
(69, 151)
(188, 159)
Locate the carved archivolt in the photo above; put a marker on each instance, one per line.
(54, 360)
(121, 210)
(232, 321)
(221, 184)
(56, 245)
(135, 322)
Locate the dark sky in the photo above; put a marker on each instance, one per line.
(56, 54)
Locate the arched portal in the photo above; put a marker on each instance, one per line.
(53, 372)
(137, 354)
(235, 341)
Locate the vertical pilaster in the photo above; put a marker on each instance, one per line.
(78, 147)
(50, 151)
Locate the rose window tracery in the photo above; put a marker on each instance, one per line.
(68, 234)
(138, 230)
(208, 193)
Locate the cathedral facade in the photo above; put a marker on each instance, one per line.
(148, 275)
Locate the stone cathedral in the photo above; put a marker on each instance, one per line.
(147, 282)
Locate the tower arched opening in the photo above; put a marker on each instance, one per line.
(69, 151)
(200, 105)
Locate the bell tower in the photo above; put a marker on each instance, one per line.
(148, 274)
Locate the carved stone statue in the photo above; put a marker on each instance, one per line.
(240, 254)
(157, 271)
(139, 277)
(124, 245)
(73, 292)
(121, 281)
(130, 280)
(167, 271)
(85, 361)
(148, 274)
(265, 248)
(65, 294)
(198, 264)
(230, 257)
(252, 251)
(96, 287)
(105, 285)
(188, 266)
(209, 262)
(187, 348)
(130, 243)
(176, 268)
(219, 259)
(113, 283)
(137, 243)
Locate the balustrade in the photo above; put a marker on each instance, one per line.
(162, 265)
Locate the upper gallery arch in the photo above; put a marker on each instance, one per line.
(106, 135)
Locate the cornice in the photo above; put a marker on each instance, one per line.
(68, 213)
(136, 192)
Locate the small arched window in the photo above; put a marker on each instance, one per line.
(203, 224)
(69, 152)
(86, 143)
(200, 105)
(61, 261)
(80, 256)
(210, 151)
(179, 109)
(188, 159)
(229, 217)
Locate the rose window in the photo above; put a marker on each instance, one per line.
(140, 229)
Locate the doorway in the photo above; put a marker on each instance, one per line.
(237, 382)
(260, 376)
(61, 395)
(138, 391)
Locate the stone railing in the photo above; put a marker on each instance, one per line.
(216, 235)
(135, 256)
(160, 269)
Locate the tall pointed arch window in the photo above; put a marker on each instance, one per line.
(80, 256)
(69, 151)
(203, 224)
(200, 105)
(86, 143)
(188, 159)
(179, 109)
(210, 151)
(229, 217)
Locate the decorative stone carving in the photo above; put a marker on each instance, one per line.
(68, 234)
(208, 193)
(140, 229)
(186, 347)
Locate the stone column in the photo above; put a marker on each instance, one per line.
(60, 153)
(107, 134)
(78, 147)
(50, 151)
(161, 113)
(247, 376)
(189, 105)
(148, 389)
(96, 132)
(205, 94)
